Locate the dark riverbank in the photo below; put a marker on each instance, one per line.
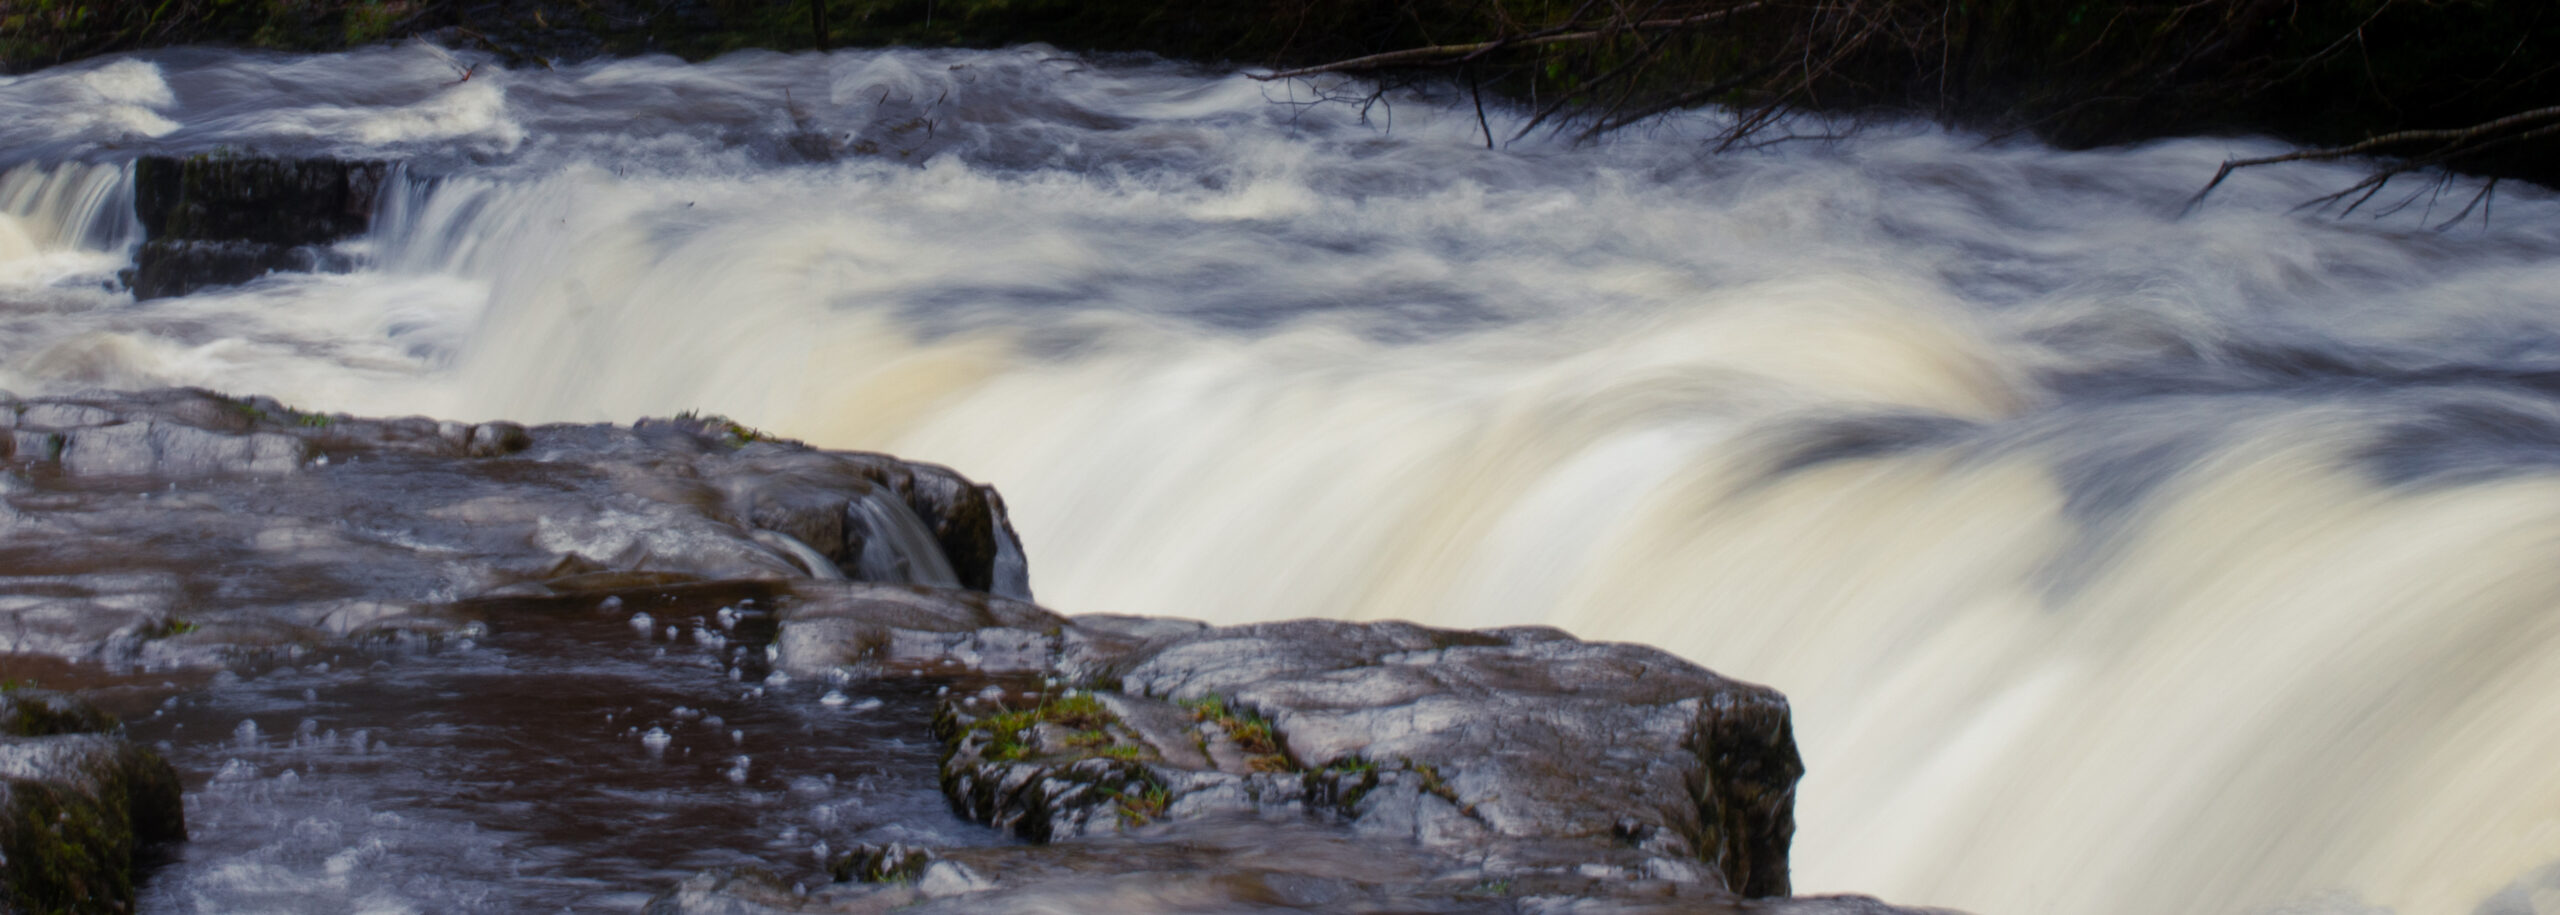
(2077, 74)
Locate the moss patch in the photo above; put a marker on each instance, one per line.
(1250, 731)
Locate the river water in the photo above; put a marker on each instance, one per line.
(2118, 559)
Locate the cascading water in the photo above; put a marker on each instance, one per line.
(2117, 559)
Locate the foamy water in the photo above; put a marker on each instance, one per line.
(2118, 562)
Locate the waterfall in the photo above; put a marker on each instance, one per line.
(2117, 561)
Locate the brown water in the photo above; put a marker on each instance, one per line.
(514, 772)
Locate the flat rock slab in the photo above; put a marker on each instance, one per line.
(184, 527)
(1156, 764)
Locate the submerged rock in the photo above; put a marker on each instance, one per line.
(77, 803)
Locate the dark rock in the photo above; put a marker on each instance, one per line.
(274, 201)
(163, 268)
(216, 221)
(77, 802)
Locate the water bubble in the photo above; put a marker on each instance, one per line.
(738, 737)
(236, 770)
(834, 697)
(737, 771)
(868, 704)
(642, 622)
(613, 603)
(656, 739)
(246, 733)
(310, 695)
(728, 617)
(671, 632)
(777, 679)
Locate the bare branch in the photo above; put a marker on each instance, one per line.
(2457, 142)
(1460, 53)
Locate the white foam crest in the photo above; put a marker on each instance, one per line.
(101, 103)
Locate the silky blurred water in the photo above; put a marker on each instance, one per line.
(2118, 559)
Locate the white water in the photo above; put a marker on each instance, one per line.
(2117, 563)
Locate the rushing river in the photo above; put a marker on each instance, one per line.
(2118, 561)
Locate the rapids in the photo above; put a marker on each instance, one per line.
(2118, 560)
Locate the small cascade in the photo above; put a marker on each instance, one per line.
(68, 207)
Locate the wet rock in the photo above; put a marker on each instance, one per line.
(220, 220)
(169, 449)
(77, 802)
(1507, 754)
(167, 267)
(1232, 865)
(863, 626)
(178, 526)
(1156, 764)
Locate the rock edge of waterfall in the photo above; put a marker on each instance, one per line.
(1152, 763)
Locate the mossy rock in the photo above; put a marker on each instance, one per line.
(246, 199)
(77, 803)
(44, 713)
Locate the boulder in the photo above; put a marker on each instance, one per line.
(77, 803)
(218, 220)
(1510, 752)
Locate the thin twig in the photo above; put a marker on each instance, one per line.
(2455, 139)
(1459, 53)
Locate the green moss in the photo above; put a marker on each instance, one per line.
(370, 21)
(1250, 731)
(1144, 805)
(67, 852)
(731, 432)
(1009, 731)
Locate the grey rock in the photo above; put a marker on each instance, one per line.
(1514, 751)
(64, 415)
(950, 878)
(157, 448)
(266, 529)
(866, 626)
